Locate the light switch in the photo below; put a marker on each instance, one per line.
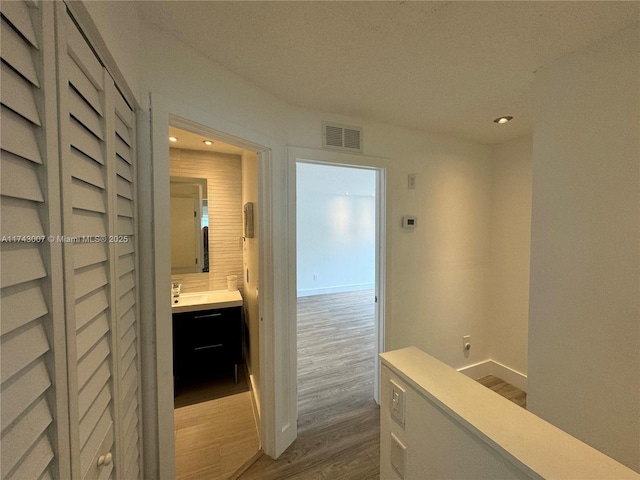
(412, 181)
(397, 402)
(398, 455)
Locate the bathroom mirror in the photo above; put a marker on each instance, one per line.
(189, 225)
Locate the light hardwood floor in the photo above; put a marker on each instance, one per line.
(338, 421)
(505, 389)
(215, 431)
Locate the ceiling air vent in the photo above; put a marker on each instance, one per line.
(341, 137)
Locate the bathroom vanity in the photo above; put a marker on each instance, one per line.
(207, 332)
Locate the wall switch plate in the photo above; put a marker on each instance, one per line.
(412, 181)
(398, 455)
(466, 343)
(397, 402)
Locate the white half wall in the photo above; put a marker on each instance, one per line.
(584, 330)
(453, 427)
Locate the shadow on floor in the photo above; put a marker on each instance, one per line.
(210, 386)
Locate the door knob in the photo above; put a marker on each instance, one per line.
(105, 459)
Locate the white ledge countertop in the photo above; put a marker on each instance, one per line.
(532, 444)
(192, 302)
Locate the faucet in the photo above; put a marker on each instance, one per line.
(175, 289)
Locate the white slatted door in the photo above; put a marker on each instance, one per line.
(69, 312)
(127, 304)
(34, 416)
(88, 220)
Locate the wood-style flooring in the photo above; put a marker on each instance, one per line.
(338, 419)
(505, 389)
(215, 430)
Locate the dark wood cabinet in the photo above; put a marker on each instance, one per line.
(206, 340)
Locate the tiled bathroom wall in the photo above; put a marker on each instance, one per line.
(224, 192)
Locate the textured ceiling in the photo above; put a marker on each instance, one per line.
(447, 67)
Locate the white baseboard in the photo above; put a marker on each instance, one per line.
(477, 370)
(335, 289)
(491, 367)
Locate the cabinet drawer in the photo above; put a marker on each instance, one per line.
(205, 337)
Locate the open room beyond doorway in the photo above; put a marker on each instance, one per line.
(339, 322)
(337, 243)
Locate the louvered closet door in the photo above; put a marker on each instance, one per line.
(126, 302)
(98, 173)
(32, 325)
(88, 220)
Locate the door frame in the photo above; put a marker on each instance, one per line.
(277, 430)
(332, 158)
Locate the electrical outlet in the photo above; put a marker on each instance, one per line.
(315, 277)
(466, 343)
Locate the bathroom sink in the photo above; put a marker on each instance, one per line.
(191, 302)
(190, 299)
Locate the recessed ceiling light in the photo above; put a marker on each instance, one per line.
(208, 143)
(504, 119)
(173, 139)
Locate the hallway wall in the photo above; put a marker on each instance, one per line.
(508, 318)
(584, 335)
(251, 274)
(437, 274)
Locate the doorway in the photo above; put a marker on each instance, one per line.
(215, 348)
(336, 245)
(274, 399)
(340, 265)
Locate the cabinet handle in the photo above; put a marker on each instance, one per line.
(209, 346)
(207, 316)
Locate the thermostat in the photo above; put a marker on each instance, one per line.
(409, 222)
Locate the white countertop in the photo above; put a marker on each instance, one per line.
(192, 302)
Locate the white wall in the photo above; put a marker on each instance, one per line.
(119, 27)
(250, 259)
(584, 330)
(510, 252)
(171, 69)
(335, 209)
(436, 275)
